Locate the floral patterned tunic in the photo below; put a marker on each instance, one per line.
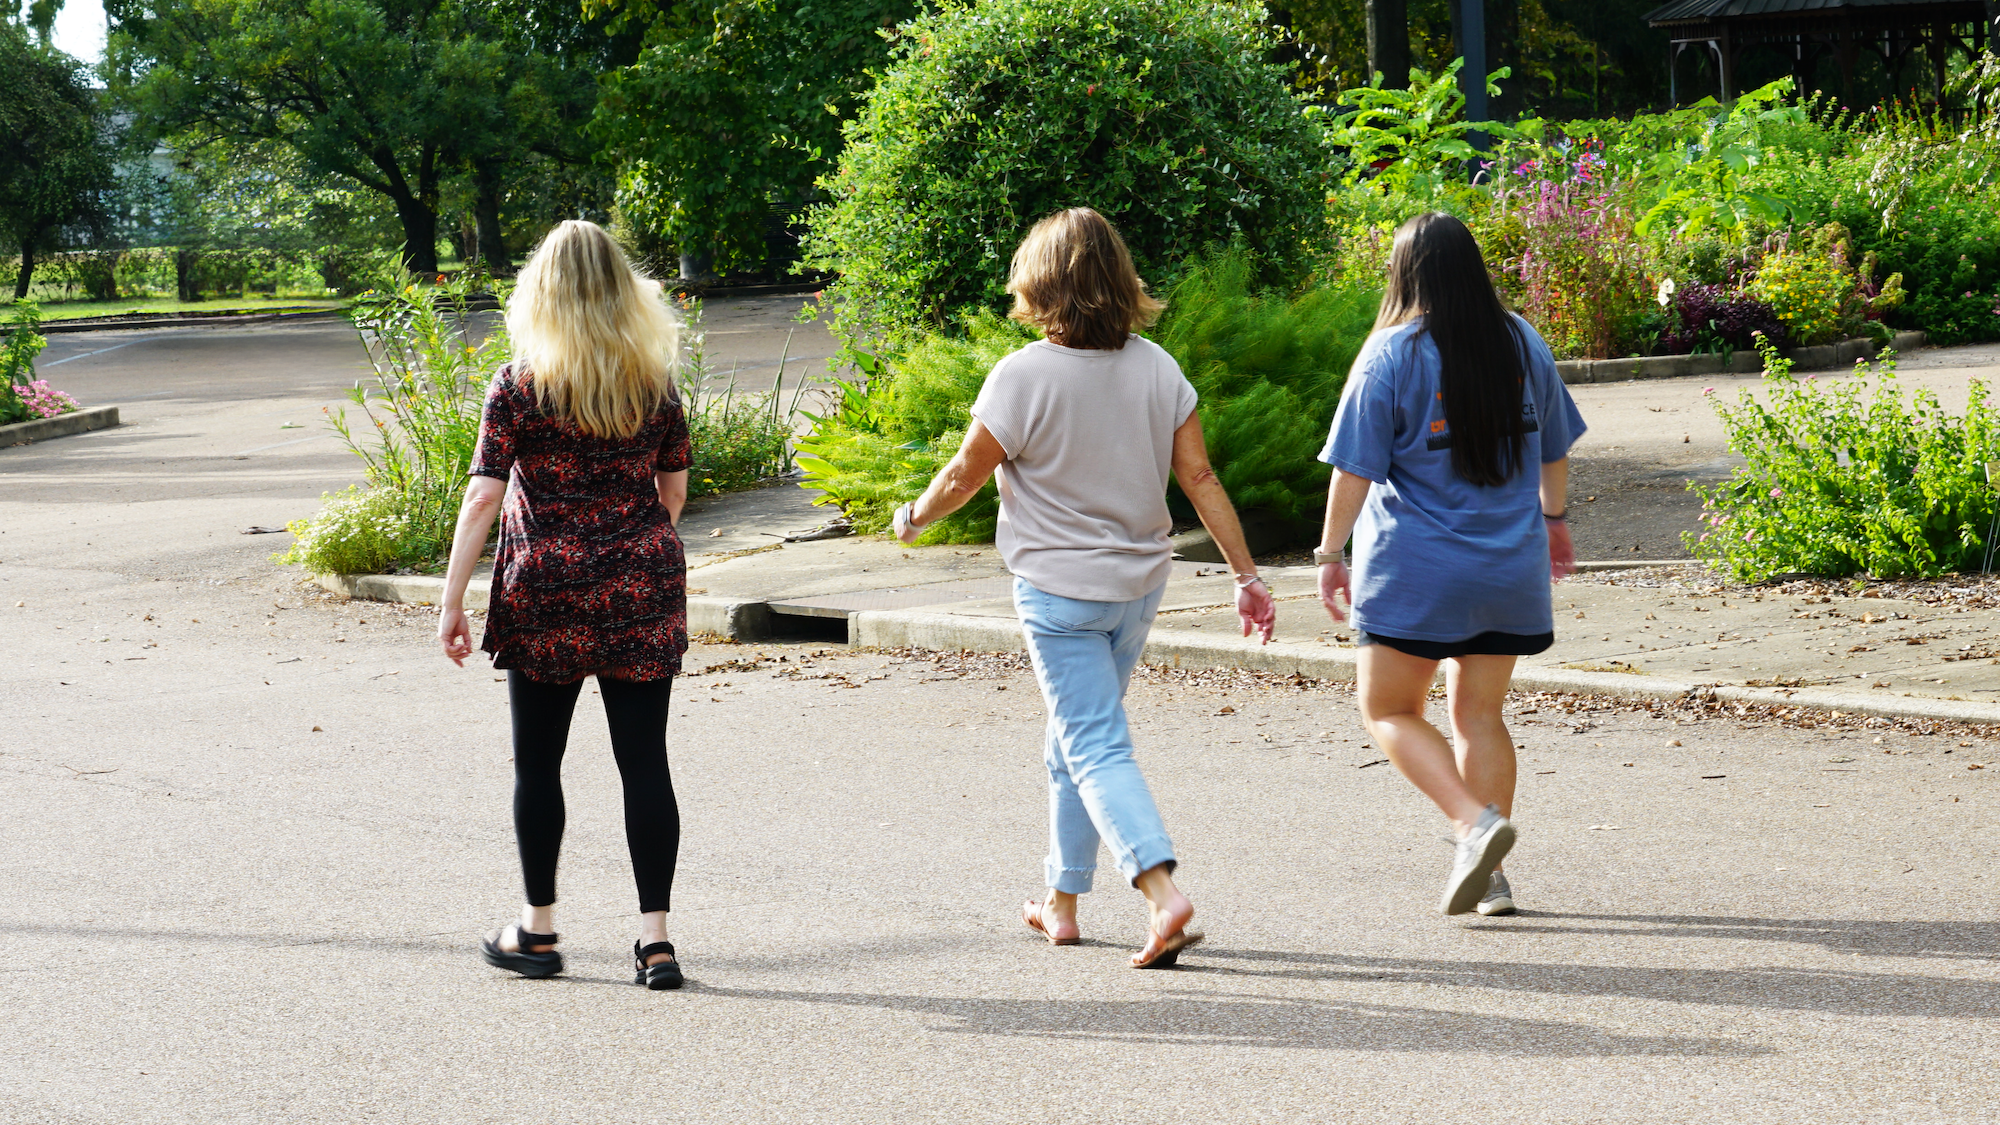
(590, 575)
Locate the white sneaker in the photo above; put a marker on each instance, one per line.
(1479, 852)
(1499, 897)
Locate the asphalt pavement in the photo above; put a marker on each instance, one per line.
(254, 832)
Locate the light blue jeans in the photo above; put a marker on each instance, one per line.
(1084, 653)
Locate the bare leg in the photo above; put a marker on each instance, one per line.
(1392, 688)
(652, 928)
(534, 920)
(1476, 688)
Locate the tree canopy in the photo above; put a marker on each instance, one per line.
(54, 159)
(732, 107)
(395, 95)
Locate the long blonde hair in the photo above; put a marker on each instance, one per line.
(594, 335)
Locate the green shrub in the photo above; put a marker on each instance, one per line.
(740, 441)
(1839, 484)
(356, 531)
(420, 427)
(1269, 368)
(1165, 115)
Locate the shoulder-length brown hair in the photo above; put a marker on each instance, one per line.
(1073, 278)
(1438, 277)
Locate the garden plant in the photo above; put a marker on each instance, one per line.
(1841, 481)
(24, 398)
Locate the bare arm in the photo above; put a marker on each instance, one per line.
(1344, 496)
(468, 542)
(1211, 502)
(1210, 499)
(1555, 502)
(673, 490)
(958, 482)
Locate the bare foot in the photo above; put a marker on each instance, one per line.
(1058, 925)
(1166, 932)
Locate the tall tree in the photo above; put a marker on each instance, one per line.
(54, 160)
(1389, 42)
(395, 95)
(733, 106)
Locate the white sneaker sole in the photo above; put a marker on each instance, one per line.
(1492, 906)
(1462, 895)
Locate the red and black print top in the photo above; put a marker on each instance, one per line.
(589, 575)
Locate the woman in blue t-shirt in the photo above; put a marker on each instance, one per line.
(1450, 454)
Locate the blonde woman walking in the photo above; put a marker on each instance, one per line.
(1083, 427)
(1450, 451)
(585, 437)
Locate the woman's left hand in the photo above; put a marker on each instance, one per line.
(1562, 553)
(1333, 586)
(1257, 609)
(455, 634)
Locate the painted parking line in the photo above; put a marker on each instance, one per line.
(87, 355)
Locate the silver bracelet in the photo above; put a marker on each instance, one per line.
(1243, 581)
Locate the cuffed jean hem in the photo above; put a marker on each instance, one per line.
(1146, 855)
(1069, 880)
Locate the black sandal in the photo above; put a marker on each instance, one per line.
(520, 960)
(666, 974)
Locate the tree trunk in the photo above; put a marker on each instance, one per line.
(1993, 26)
(1389, 42)
(27, 277)
(184, 286)
(486, 215)
(420, 251)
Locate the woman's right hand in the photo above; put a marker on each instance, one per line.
(1333, 586)
(455, 634)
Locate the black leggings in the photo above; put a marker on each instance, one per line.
(637, 713)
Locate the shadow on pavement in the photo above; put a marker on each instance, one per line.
(1210, 1020)
(1978, 941)
(1817, 990)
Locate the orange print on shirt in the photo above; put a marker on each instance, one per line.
(1437, 427)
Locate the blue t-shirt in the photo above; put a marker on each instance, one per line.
(1437, 558)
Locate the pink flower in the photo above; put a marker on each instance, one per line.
(1708, 390)
(1777, 492)
(1750, 536)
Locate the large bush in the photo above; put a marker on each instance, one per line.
(1269, 367)
(1163, 114)
(1838, 483)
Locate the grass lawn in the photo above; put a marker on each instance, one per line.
(76, 310)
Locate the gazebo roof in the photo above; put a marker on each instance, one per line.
(1680, 11)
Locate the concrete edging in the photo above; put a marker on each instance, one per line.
(1820, 357)
(911, 629)
(62, 425)
(727, 617)
(65, 327)
(746, 620)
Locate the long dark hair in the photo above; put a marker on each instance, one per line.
(1437, 274)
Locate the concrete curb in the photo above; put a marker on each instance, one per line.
(62, 425)
(952, 632)
(1821, 357)
(751, 620)
(62, 327)
(726, 617)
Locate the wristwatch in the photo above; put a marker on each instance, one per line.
(1327, 558)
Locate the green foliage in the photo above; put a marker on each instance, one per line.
(732, 106)
(1418, 134)
(357, 531)
(1269, 368)
(1162, 114)
(420, 421)
(1838, 483)
(17, 359)
(53, 157)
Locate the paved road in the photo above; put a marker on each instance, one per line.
(218, 913)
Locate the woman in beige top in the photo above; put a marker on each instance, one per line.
(1083, 427)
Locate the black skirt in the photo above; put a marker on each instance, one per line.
(1485, 644)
